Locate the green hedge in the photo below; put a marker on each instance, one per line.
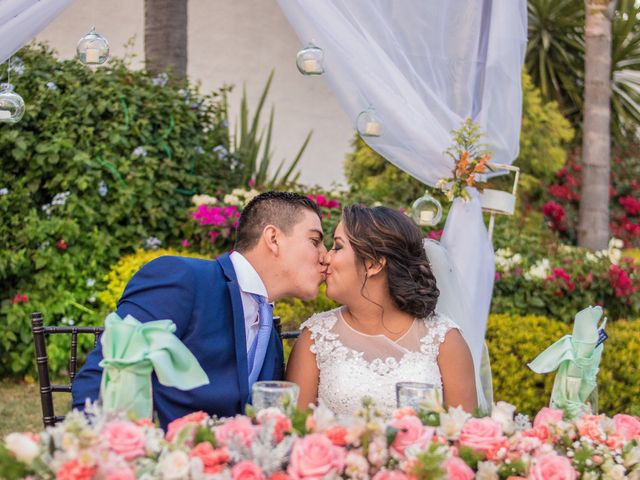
(515, 341)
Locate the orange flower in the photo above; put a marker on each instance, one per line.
(461, 166)
(482, 163)
(470, 179)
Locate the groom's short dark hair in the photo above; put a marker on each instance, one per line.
(282, 209)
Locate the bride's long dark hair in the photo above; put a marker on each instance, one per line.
(381, 232)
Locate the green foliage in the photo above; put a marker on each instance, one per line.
(515, 341)
(253, 140)
(544, 137)
(102, 162)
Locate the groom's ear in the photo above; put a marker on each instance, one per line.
(270, 235)
(375, 267)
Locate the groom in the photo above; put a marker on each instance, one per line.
(222, 308)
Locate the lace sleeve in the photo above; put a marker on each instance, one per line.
(438, 325)
(324, 340)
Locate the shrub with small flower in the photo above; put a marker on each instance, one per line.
(561, 211)
(428, 444)
(560, 283)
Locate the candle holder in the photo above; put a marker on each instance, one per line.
(93, 48)
(426, 210)
(368, 124)
(498, 201)
(11, 104)
(310, 60)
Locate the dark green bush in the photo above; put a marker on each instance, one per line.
(103, 162)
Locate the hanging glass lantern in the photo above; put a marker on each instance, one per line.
(93, 48)
(426, 210)
(11, 104)
(310, 60)
(368, 124)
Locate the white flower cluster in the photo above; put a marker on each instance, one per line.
(539, 271)
(240, 197)
(506, 259)
(58, 200)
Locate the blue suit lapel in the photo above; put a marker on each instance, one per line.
(238, 325)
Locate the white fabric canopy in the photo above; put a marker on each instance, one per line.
(21, 20)
(425, 66)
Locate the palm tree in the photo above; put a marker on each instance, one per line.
(165, 36)
(593, 227)
(555, 59)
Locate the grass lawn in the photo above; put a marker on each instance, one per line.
(20, 408)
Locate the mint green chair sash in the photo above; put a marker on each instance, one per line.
(576, 357)
(131, 352)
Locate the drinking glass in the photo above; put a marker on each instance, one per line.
(279, 394)
(414, 394)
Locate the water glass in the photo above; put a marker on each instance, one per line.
(414, 394)
(279, 394)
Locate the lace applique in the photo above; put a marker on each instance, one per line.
(346, 374)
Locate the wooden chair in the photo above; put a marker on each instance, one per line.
(47, 389)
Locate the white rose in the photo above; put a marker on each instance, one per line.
(452, 422)
(487, 471)
(356, 466)
(502, 413)
(22, 446)
(174, 466)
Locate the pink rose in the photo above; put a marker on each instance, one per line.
(548, 415)
(552, 467)
(124, 438)
(412, 432)
(457, 470)
(337, 435)
(314, 457)
(238, 427)
(590, 426)
(482, 434)
(192, 419)
(123, 474)
(213, 459)
(246, 470)
(74, 470)
(390, 475)
(627, 426)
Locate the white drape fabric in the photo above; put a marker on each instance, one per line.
(21, 20)
(425, 66)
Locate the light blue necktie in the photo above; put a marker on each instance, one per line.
(259, 346)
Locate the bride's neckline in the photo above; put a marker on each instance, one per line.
(377, 335)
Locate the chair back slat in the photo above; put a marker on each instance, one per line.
(74, 355)
(42, 362)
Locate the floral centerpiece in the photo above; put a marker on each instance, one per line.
(427, 444)
(470, 162)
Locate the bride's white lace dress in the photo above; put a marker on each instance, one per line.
(353, 364)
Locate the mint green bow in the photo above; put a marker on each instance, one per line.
(131, 351)
(577, 359)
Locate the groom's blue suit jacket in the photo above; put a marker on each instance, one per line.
(202, 297)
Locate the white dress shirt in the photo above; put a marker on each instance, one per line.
(250, 283)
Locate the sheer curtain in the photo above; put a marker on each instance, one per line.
(21, 20)
(426, 65)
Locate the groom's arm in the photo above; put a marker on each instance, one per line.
(162, 289)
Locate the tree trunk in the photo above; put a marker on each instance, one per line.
(593, 229)
(165, 36)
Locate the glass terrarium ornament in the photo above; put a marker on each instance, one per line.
(368, 124)
(93, 48)
(310, 60)
(426, 210)
(11, 104)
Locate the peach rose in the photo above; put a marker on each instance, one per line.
(314, 457)
(552, 467)
(74, 470)
(548, 415)
(482, 434)
(390, 475)
(125, 439)
(411, 432)
(213, 459)
(246, 470)
(337, 435)
(403, 412)
(238, 427)
(174, 427)
(627, 426)
(457, 470)
(590, 426)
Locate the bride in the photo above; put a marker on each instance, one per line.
(387, 330)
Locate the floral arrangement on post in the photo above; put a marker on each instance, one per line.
(470, 160)
(427, 444)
